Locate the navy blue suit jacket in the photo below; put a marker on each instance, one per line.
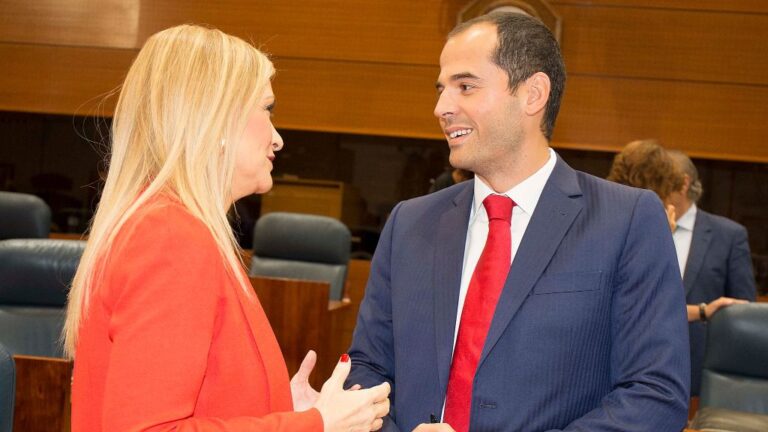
(589, 333)
(719, 265)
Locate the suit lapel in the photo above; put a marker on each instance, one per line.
(449, 260)
(554, 214)
(266, 342)
(702, 235)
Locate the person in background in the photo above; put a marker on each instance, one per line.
(712, 251)
(449, 178)
(645, 164)
(164, 327)
(534, 297)
(714, 258)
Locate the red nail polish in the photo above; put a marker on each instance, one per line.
(344, 358)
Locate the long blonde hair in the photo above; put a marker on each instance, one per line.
(183, 105)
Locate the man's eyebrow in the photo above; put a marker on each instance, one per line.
(464, 75)
(457, 77)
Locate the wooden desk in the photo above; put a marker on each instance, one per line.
(43, 394)
(318, 197)
(693, 406)
(303, 318)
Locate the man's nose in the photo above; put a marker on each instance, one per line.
(445, 106)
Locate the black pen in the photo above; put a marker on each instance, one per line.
(433, 419)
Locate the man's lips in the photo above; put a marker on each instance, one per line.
(457, 132)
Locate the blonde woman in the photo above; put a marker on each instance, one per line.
(164, 328)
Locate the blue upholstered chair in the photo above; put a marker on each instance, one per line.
(35, 275)
(7, 389)
(23, 216)
(734, 385)
(301, 246)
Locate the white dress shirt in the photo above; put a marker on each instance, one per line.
(683, 236)
(526, 195)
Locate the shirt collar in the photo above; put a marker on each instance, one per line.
(688, 219)
(525, 194)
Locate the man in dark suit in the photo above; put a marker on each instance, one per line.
(535, 297)
(714, 259)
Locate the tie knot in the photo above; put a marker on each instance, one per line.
(499, 207)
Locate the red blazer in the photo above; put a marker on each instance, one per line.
(172, 343)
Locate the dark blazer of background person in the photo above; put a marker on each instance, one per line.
(589, 332)
(719, 265)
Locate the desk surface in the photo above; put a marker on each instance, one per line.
(43, 394)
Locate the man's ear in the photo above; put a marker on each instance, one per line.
(538, 93)
(686, 184)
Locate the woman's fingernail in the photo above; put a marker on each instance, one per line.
(344, 358)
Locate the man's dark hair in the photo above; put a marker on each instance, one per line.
(525, 46)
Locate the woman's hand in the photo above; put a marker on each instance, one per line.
(351, 410)
(304, 396)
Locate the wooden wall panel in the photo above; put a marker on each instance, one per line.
(665, 44)
(394, 31)
(616, 41)
(365, 98)
(757, 6)
(103, 23)
(707, 120)
(311, 94)
(710, 120)
(60, 80)
(369, 67)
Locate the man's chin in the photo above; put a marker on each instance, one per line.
(460, 164)
(457, 161)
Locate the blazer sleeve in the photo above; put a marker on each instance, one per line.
(649, 335)
(372, 350)
(164, 299)
(741, 279)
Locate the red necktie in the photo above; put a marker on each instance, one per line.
(480, 303)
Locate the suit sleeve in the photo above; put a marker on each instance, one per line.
(372, 351)
(741, 280)
(649, 335)
(164, 302)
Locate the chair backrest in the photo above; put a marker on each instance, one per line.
(302, 246)
(23, 216)
(7, 389)
(735, 372)
(35, 275)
